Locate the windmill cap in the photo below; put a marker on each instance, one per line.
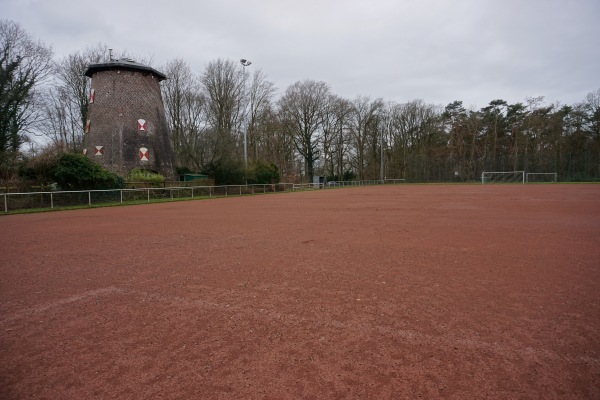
(127, 64)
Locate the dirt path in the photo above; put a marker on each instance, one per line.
(396, 292)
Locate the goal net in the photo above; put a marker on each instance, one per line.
(503, 177)
(534, 177)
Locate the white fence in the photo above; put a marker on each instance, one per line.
(90, 198)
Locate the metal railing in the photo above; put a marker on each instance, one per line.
(94, 198)
(61, 199)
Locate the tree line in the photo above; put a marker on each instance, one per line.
(228, 121)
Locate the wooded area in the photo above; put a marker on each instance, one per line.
(228, 119)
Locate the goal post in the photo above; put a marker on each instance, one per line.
(503, 177)
(541, 177)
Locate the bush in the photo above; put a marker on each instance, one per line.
(39, 170)
(225, 172)
(77, 172)
(349, 176)
(261, 172)
(183, 170)
(144, 175)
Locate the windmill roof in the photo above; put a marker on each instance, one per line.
(126, 64)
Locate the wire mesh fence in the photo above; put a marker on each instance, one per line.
(95, 198)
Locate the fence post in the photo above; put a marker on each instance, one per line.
(51, 200)
(148, 195)
(121, 191)
(5, 202)
(89, 198)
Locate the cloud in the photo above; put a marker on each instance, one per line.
(435, 50)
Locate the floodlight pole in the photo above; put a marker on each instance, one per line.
(381, 169)
(245, 63)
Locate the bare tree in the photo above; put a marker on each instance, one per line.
(275, 144)
(66, 106)
(223, 87)
(302, 110)
(24, 66)
(592, 106)
(260, 97)
(185, 110)
(364, 125)
(62, 123)
(412, 129)
(335, 137)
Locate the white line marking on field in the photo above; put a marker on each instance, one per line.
(61, 302)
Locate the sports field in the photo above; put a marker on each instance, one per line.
(383, 292)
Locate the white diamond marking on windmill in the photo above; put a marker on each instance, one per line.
(144, 154)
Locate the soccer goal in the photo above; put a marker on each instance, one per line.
(535, 177)
(503, 177)
(393, 180)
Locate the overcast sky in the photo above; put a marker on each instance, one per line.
(435, 50)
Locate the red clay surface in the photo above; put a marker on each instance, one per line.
(396, 292)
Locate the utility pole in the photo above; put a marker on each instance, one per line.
(381, 169)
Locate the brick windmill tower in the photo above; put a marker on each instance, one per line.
(126, 126)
